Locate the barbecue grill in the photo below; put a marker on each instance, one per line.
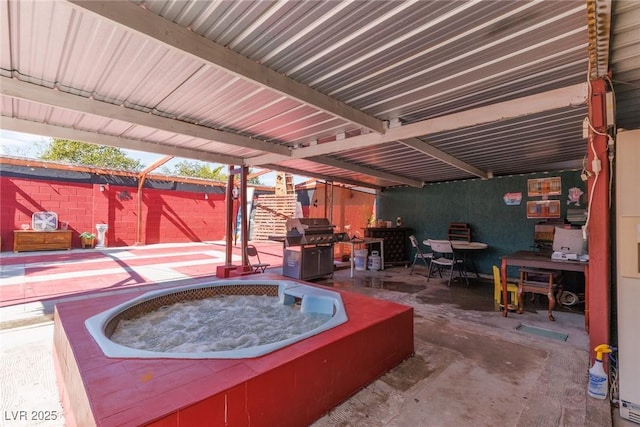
(308, 248)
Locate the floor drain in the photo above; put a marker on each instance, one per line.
(542, 332)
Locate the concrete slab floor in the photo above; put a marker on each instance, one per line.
(471, 366)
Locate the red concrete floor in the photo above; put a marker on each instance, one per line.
(51, 276)
(292, 386)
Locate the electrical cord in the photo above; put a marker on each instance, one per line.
(584, 167)
(611, 155)
(51, 84)
(596, 163)
(613, 376)
(611, 142)
(596, 167)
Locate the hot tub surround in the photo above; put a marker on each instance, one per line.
(311, 299)
(291, 386)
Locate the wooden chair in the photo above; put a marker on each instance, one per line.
(459, 231)
(512, 291)
(425, 257)
(252, 253)
(539, 281)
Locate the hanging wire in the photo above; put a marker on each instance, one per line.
(610, 144)
(613, 376)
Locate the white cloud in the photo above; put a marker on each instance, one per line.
(21, 144)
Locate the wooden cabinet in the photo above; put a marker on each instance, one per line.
(396, 241)
(32, 240)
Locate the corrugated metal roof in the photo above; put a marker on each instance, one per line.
(625, 62)
(298, 74)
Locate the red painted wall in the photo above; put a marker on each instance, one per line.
(168, 216)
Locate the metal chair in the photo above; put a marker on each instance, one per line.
(425, 257)
(258, 267)
(445, 258)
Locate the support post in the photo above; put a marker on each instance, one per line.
(244, 214)
(229, 217)
(599, 272)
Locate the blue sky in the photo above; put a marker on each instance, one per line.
(26, 145)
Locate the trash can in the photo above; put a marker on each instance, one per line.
(360, 259)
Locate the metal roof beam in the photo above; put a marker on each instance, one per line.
(430, 150)
(21, 90)
(324, 177)
(258, 173)
(341, 164)
(559, 98)
(155, 165)
(18, 125)
(136, 18)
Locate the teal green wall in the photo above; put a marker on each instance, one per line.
(506, 229)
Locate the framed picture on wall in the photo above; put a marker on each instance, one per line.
(543, 209)
(544, 187)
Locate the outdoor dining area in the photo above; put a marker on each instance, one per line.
(540, 271)
(455, 253)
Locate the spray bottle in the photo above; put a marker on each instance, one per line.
(598, 379)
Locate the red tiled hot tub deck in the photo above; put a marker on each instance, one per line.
(292, 386)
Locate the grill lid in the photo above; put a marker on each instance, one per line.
(309, 231)
(303, 226)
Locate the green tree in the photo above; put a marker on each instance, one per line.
(197, 170)
(84, 153)
(203, 170)
(255, 180)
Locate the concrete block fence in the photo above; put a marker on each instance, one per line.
(167, 215)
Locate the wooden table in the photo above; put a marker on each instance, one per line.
(542, 260)
(462, 245)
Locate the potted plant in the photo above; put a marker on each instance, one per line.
(87, 239)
